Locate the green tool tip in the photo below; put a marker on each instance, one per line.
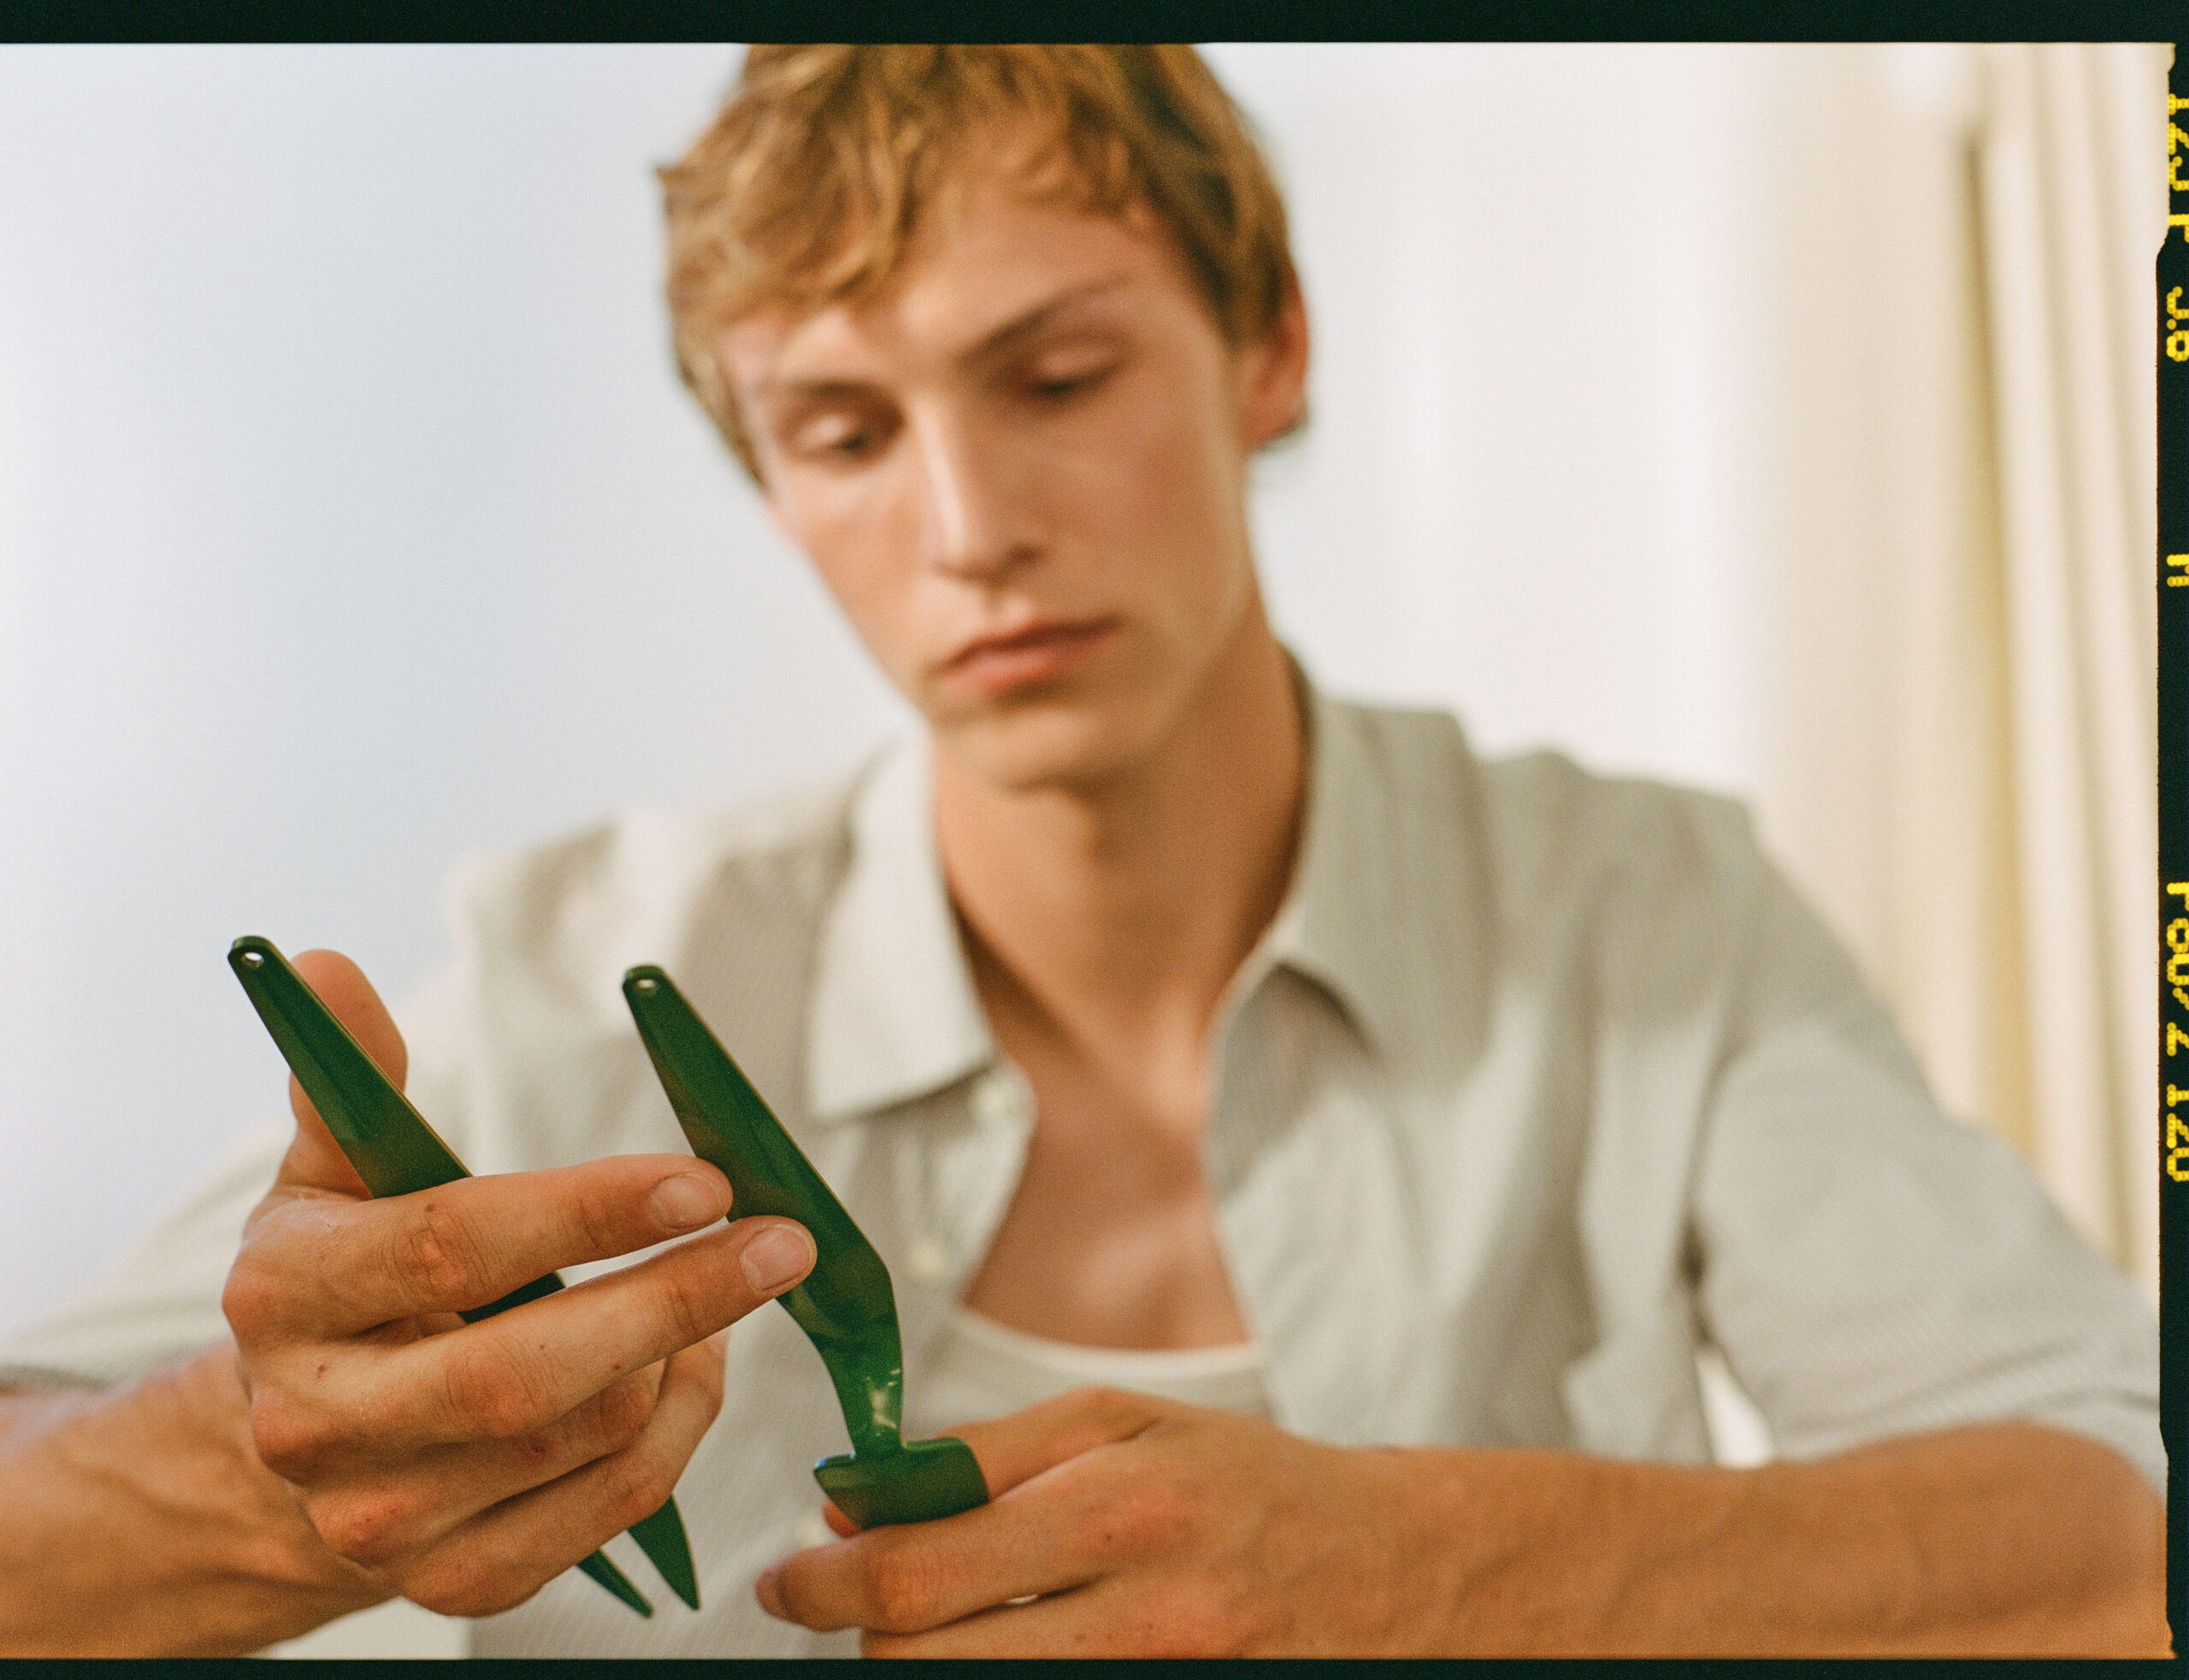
(661, 1536)
(616, 1581)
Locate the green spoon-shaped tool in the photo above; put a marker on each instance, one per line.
(396, 1153)
(846, 1305)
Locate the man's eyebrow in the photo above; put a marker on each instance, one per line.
(999, 342)
(1021, 328)
(803, 389)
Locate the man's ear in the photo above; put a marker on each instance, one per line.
(1273, 374)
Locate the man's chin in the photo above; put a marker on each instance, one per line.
(1061, 749)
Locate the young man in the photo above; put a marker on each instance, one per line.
(1386, 1129)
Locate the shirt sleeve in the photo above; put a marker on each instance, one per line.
(1870, 1267)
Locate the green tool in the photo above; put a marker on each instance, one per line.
(396, 1153)
(846, 1305)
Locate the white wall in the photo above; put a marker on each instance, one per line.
(1505, 502)
(352, 516)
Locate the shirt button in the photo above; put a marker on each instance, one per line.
(927, 1263)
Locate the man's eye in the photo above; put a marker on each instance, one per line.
(834, 437)
(1071, 382)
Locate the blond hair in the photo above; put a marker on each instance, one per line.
(808, 187)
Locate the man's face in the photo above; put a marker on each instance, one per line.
(1020, 470)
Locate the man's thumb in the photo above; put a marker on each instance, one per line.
(315, 1159)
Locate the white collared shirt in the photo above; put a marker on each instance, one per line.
(1538, 1082)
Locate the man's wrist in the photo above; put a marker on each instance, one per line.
(2002, 1539)
(1532, 1552)
(141, 1524)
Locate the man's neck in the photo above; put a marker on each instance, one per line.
(1106, 922)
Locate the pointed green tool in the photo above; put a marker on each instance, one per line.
(846, 1305)
(396, 1153)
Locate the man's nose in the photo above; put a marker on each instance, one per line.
(972, 517)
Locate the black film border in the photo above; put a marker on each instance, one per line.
(2173, 586)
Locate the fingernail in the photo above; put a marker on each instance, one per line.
(688, 1199)
(777, 1258)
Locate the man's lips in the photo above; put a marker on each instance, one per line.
(996, 665)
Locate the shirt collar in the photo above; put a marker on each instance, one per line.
(1389, 904)
(895, 1013)
(1385, 913)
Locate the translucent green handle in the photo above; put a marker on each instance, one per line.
(846, 1305)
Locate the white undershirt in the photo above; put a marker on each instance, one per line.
(983, 1368)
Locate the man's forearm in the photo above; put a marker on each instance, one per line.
(1995, 1539)
(139, 1522)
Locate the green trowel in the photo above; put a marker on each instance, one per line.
(846, 1305)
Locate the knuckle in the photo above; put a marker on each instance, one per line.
(696, 1372)
(710, 1391)
(365, 1528)
(253, 1297)
(1140, 1512)
(623, 1409)
(439, 1257)
(639, 1483)
(455, 1581)
(1115, 1410)
(494, 1390)
(901, 1586)
(292, 1440)
(594, 1225)
(686, 1309)
(636, 1481)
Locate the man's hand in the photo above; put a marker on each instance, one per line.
(467, 1465)
(1147, 1528)
(1134, 1526)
